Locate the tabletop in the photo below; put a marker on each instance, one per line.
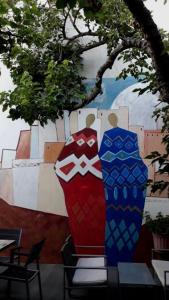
(6, 243)
(134, 274)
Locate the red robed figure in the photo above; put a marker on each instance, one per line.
(79, 171)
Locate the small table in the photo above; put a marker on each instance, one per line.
(6, 243)
(135, 275)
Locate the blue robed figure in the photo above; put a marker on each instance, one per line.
(125, 176)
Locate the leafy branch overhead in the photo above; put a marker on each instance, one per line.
(39, 44)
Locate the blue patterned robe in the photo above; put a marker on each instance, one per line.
(125, 176)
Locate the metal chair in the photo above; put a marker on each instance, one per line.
(85, 249)
(21, 273)
(83, 271)
(10, 234)
(160, 264)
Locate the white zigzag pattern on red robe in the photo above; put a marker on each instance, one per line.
(71, 165)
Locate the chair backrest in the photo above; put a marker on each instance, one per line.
(11, 234)
(34, 253)
(69, 240)
(68, 260)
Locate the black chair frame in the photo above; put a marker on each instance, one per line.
(70, 259)
(162, 254)
(11, 234)
(21, 273)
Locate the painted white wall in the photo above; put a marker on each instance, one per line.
(25, 186)
(47, 133)
(156, 205)
(34, 144)
(7, 158)
(140, 107)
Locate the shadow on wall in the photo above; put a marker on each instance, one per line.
(36, 225)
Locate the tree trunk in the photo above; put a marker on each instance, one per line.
(159, 56)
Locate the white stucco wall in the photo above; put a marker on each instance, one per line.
(156, 205)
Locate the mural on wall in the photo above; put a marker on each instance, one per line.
(111, 88)
(124, 176)
(28, 154)
(79, 171)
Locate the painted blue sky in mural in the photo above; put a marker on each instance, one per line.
(111, 89)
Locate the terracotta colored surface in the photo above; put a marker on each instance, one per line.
(36, 225)
(139, 130)
(52, 151)
(160, 241)
(153, 141)
(23, 147)
(144, 246)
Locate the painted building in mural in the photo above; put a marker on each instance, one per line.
(28, 156)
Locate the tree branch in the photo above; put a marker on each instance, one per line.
(66, 14)
(82, 34)
(160, 57)
(126, 43)
(74, 22)
(90, 46)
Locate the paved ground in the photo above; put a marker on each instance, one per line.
(52, 285)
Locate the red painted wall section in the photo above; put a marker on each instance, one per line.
(153, 142)
(23, 147)
(36, 225)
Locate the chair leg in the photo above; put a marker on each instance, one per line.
(64, 289)
(9, 288)
(40, 286)
(64, 293)
(27, 290)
